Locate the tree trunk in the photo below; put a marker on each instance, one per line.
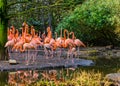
(3, 28)
(42, 14)
(49, 16)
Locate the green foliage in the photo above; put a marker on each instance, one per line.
(48, 12)
(33, 22)
(94, 20)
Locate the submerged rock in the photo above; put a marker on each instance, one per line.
(113, 77)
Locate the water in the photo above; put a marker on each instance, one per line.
(23, 77)
(3, 78)
(29, 77)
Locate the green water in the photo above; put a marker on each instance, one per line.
(3, 78)
(103, 65)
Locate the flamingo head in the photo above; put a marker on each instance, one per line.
(48, 29)
(71, 33)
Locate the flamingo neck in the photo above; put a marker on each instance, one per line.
(33, 32)
(65, 31)
(8, 32)
(68, 34)
(73, 35)
(55, 35)
(61, 33)
(13, 30)
(49, 35)
(17, 33)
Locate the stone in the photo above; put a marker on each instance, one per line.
(12, 61)
(114, 77)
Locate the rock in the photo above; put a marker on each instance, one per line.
(114, 77)
(109, 47)
(118, 54)
(84, 62)
(12, 61)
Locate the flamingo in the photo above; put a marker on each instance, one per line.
(43, 36)
(35, 41)
(19, 44)
(27, 36)
(33, 44)
(51, 46)
(68, 42)
(49, 43)
(20, 41)
(47, 49)
(10, 34)
(17, 36)
(58, 44)
(49, 35)
(59, 41)
(32, 31)
(13, 29)
(77, 42)
(10, 43)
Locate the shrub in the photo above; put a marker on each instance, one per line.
(94, 21)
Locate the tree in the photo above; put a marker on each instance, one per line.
(3, 27)
(94, 21)
(4, 17)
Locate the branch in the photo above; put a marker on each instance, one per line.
(17, 2)
(41, 7)
(32, 9)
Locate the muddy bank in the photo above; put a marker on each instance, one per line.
(101, 52)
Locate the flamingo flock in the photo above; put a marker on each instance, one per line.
(29, 39)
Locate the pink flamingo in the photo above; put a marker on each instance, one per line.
(19, 44)
(49, 36)
(77, 42)
(10, 34)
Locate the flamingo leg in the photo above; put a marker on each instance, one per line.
(34, 56)
(9, 51)
(51, 52)
(60, 52)
(27, 57)
(68, 53)
(46, 52)
(78, 51)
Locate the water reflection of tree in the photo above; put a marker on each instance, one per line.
(3, 78)
(22, 78)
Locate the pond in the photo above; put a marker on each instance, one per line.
(62, 76)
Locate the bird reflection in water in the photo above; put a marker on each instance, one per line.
(23, 78)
